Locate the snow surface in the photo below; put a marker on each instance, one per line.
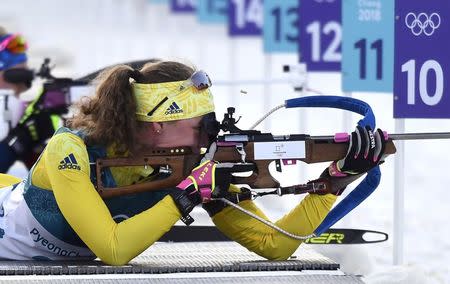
(82, 36)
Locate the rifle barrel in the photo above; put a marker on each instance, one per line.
(417, 136)
(402, 136)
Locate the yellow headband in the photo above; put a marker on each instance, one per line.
(165, 102)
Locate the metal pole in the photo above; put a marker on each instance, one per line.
(418, 136)
(399, 192)
(402, 136)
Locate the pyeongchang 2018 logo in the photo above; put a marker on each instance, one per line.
(422, 23)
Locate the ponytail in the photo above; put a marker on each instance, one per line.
(109, 117)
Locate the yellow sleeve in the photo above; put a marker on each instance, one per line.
(87, 214)
(264, 240)
(7, 180)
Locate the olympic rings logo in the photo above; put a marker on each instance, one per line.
(422, 23)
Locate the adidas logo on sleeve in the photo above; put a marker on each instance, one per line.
(174, 108)
(69, 162)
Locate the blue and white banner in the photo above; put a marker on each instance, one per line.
(320, 34)
(280, 30)
(368, 45)
(212, 11)
(183, 6)
(422, 61)
(245, 17)
(158, 1)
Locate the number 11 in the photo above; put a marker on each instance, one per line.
(378, 46)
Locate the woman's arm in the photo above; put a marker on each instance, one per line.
(265, 241)
(114, 243)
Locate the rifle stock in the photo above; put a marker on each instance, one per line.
(178, 162)
(323, 150)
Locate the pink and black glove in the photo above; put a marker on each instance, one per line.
(208, 180)
(201, 181)
(365, 151)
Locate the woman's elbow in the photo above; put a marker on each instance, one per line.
(114, 257)
(114, 261)
(279, 254)
(278, 249)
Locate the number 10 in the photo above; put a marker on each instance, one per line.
(410, 68)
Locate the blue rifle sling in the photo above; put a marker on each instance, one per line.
(372, 179)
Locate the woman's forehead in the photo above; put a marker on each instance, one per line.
(190, 122)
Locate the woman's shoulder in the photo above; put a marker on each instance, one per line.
(66, 150)
(66, 139)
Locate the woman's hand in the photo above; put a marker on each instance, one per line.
(209, 179)
(365, 152)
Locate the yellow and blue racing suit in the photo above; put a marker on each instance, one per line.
(56, 213)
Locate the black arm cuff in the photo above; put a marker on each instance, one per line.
(185, 203)
(338, 184)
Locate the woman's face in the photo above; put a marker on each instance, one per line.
(17, 88)
(186, 132)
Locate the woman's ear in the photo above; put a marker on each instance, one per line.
(156, 127)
